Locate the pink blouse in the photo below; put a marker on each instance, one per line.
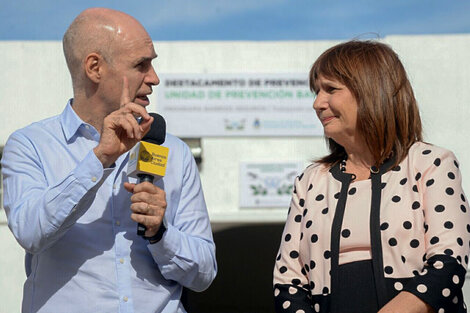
(354, 244)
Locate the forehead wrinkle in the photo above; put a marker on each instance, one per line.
(143, 47)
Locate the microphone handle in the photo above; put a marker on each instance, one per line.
(143, 178)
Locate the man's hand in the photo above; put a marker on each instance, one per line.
(148, 205)
(121, 131)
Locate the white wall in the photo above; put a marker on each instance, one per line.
(34, 84)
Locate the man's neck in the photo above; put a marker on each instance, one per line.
(89, 111)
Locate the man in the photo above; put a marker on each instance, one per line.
(72, 207)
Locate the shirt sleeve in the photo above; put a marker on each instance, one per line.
(186, 252)
(39, 211)
(447, 234)
(291, 286)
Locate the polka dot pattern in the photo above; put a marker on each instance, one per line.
(398, 286)
(414, 243)
(422, 288)
(294, 254)
(446, 292)
(407, 225)
(423, 220)
(438, 265)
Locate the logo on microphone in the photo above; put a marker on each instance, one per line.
(145, 156)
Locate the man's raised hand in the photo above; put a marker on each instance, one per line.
(121, 131)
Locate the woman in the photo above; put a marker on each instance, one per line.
(381, 223)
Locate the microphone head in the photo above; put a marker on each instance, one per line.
(157, 131)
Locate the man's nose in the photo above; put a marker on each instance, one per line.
(152, 77)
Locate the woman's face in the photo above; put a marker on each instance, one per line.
(336, 108)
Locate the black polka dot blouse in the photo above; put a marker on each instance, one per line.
(411, 222)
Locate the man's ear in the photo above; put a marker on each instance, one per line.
(93, 64)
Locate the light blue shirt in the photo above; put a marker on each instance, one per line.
(73, 219)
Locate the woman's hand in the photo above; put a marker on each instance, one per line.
(406, 302)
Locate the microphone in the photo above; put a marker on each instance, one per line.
(147, 159)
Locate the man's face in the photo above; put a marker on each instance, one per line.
(131, 58)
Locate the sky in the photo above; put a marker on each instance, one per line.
(168, 20)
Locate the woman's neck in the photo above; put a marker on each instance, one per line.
(359, 161)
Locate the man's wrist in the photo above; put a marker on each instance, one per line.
(104, 159)
(158, 235)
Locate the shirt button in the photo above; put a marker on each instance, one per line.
(93, 179)
(87, 126)
(114, 186)
(125, 299)
(121, 261)
(118, 223)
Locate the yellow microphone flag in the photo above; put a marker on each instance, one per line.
(147, 158)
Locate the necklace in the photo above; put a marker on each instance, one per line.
(342, 167)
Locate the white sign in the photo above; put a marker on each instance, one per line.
(201, 105)
(265, 185)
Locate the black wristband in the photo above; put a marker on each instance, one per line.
(158, 236)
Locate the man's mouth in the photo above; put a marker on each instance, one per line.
(144, 100)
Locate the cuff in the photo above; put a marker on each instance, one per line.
(440, 284)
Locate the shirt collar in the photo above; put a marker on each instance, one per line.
(70, 121)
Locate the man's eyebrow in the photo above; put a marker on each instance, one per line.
(144, 59)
